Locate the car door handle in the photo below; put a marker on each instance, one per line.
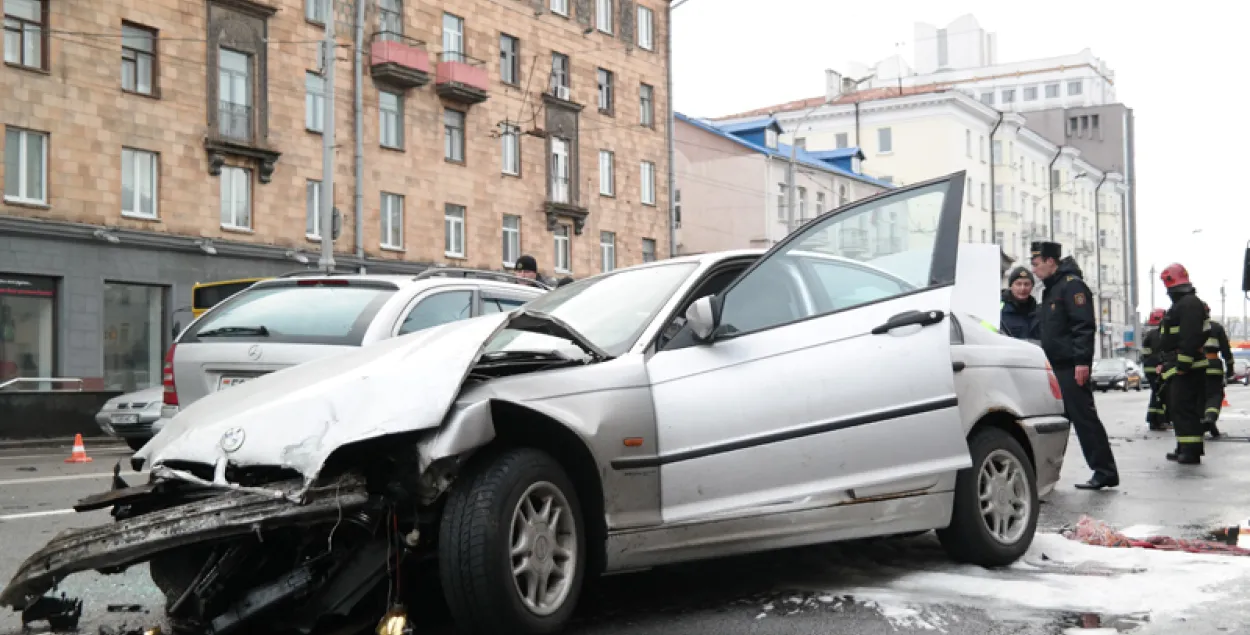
(923, 318)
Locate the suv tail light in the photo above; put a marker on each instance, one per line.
(167, 378)
(1054, 382)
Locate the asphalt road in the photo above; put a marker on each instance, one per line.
(794, 592)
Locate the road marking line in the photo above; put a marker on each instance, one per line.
(50, 512)
(26, 457)
(53, 479)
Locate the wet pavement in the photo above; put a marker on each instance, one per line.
(794, 592)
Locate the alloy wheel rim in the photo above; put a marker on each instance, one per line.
(543, 548)
(1003, 496)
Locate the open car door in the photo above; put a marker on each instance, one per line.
(827, 375)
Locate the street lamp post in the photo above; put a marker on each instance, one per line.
(1152, 287)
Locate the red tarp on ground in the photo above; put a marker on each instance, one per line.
(1098, 533)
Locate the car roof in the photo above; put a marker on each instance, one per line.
(407, 282)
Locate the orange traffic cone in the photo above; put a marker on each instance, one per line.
(79, 453)
(1225, 404)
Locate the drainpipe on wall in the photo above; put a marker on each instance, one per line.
(672, 172)
(993, 210)
(1050, 178)
(1098, 256)
(857, 145)
(358, 206)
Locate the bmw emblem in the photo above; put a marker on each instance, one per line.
(233, 439)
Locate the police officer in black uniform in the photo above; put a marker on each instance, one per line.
(1219, 356)
(1068, 329)
(1156, 413)
(1184, 365)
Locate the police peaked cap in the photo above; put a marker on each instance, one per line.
(1047, 249)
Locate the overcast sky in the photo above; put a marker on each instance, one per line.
(1176, 66)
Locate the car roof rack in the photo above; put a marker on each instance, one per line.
(458, 272)
(313, 272)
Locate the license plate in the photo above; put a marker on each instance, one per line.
(228, 382)
(124, 419)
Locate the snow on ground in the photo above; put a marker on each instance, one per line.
(1056, 576)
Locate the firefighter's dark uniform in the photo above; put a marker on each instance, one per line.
(1156, 415)
(1214, 348)
(1068, 331)
(1184, 370)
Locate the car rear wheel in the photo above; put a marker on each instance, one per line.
(512, 546)
(995, 508)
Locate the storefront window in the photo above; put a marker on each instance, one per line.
(134, 335)
(27, 327)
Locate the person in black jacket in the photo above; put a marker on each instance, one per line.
(1156, 413)
(1219, 365)
(1018, 309)
(1184, 365)
(1068, 328)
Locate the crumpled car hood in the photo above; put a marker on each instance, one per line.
(297, 417)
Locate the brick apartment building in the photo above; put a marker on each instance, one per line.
(152, 145)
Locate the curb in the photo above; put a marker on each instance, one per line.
(57, 442)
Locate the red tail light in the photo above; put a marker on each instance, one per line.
(167, 378)
(1054, 383)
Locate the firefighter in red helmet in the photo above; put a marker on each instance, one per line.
(1184, 366)
(1156, 414)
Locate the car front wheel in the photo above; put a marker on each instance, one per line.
(512, 546)
(995, 507)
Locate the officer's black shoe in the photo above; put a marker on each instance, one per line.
(1098, 482)
(1174, 454)
(1213, 430)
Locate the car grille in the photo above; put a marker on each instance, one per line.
(250, 476)
(134, 405)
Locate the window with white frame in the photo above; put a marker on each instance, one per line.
(1030, 93)
(561, 7)
(981, 148)
(820, 203)
(885, 140)
(983, 236)
(1052, 91)
(391, 20)
(559, 170)
(509, 59)
(770, 137)
(603, 15)
(563, 253)
(648, 250)
(236, 197)
(970, 191)
(559, 73)
(998, 197)
(391, 109)
(996, 152)
(453, 38)
(781, 201)
(843, 199)
(607, 177)
(392, 221)
(315, 102)
(453, 135)
(968, 143)
(1009, 96)
(998, 238)
(841, 140)
(317, 11)
(139, 183)
(802, 204)
(607, 251)
(1075, 87)
(984, 198)
(1102, 238)
(511, 240)
(511, 139)
(648, 183)
(312, 209)
(453, 230)
(987, 98)
(646, 28)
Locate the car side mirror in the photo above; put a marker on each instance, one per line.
(1245, 271)
(176, 330)
(703, 317)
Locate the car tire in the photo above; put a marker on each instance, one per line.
(485, 509)
(969, 538)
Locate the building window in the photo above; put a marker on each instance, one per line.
(603, 15)
(312, 211)
(984, 198)
(453, 135)
(560, 74)
(1030, 93)
(234, 90)
(511, 139)
(392, 221)
(509, 59)
(138, 59)
(139, 183)
(820, 203)
(391, 20)
(970, 233)
(987, 98)
(843, 199)
(885, 140)
(802, 204)
(25, 35)
(607, 251)
(134, 327)
(27, 327)
(563, 255)
(605, 91)
(998, 238)
(1009, 96)
(648, 250)
(560, 7)
(559, 170)
(1052, 91)
(677, 208)
(996, 152)
(770, 138)
(983, 236)
(236, 197)
(315, 103)
(511, 240)
(391, 124)
(607, 177)
(841, 140)
(1074, 87)
(1102, 238)
(646, 105)
(25, 166)
(648, 183)
(970, 191)
(1093, 122)
(781, 201)
(317, 11)
(453, 230)
(453, 38)
(981, 148)
(968, 143)
(646, 28)
(998, 197)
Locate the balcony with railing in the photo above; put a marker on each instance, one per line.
(234, 121)
(461, 78)
(398, 60)
(562, 205)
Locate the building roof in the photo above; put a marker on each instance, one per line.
(782, 151)
(871, 94)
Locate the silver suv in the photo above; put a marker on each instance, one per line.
(303, 316)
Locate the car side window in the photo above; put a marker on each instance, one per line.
(437, 309)
(845, 285)
(500, 305)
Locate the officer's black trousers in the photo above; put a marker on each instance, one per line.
(1186, 398)
(1078, 407)
(1156, 416)
(1214, 391)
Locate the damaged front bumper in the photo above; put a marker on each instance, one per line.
(216, 515)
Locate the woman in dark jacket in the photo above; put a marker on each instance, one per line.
(1019, 317)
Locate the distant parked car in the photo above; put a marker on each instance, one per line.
(134, 417)
(1116, 374)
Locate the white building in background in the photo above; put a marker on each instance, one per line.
(1035, 188)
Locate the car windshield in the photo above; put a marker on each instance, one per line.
(1110, 365)
(609, 310)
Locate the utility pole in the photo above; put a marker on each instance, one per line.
(790, 183)
(326, 261)
(1222, 314)
(1152, 288)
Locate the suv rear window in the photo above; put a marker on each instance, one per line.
(295, 314)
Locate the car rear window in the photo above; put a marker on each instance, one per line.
(295, 314)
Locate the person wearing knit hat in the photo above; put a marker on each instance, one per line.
(1018, 316)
